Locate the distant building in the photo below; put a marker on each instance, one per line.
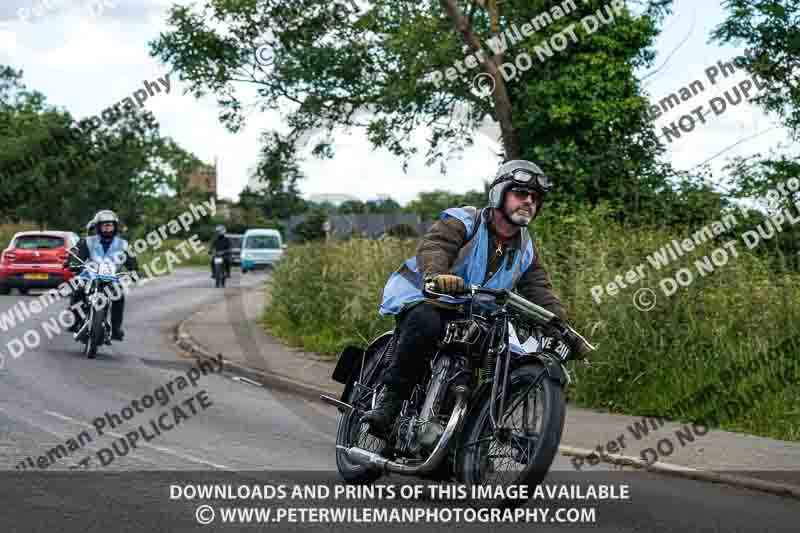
(204, 178)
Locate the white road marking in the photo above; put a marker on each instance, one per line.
(161, 449)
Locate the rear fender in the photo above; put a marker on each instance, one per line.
(348, 364)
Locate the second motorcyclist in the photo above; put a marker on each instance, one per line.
(104, 246)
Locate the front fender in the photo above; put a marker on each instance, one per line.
(555, 370)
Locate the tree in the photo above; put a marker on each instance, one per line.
(771, 31)
(310, 229)
(384, 205)
(338, 63)
(351, 207)
(58, 173)
(429, 205)
(279, 168)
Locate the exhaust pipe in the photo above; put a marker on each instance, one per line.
(370, 459)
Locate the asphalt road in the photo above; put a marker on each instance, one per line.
(236, 432)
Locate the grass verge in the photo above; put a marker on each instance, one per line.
(742, 314)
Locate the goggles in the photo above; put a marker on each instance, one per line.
(522, 193)
(529, 179)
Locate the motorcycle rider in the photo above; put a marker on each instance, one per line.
(222, 244)
(490, 247)
(105, 246)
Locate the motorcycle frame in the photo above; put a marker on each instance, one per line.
(497, 344)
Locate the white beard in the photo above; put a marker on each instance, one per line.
(520, 219)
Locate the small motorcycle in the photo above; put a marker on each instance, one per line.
(489, 411)
(95, 330)
(220, 273)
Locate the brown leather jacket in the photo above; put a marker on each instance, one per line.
(439, 248)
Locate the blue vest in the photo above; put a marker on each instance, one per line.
(405, 284)
(115, 254)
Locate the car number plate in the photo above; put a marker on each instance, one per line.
(35, 276)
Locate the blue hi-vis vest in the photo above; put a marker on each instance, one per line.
(405, 284)
(115, 254)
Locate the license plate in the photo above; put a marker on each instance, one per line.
(218, 260)
(35, 276)
(556, 347)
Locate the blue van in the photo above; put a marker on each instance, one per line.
(261, 248)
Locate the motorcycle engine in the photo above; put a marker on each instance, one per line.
(429, 435)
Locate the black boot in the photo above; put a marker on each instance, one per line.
(382, 418)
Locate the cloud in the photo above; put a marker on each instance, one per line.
(90, 46)
(358, 169)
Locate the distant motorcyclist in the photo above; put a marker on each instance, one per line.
(105, 246)
(221, 244)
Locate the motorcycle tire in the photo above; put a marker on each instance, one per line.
(470, 464)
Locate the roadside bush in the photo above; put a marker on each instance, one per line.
(324, 296)
(402, 231)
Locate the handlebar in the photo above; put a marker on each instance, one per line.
(472, 290)
(520, 304)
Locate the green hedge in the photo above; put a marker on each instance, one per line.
(326, 295)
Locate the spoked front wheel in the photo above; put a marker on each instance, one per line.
(521, 452)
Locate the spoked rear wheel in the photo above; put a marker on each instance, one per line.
(351, 432)
(522, 452)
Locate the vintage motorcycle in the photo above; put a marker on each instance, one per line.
(489, 411)
(97, 280)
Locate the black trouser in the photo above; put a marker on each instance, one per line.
(419, 328)
(116, 297)
(227, 263)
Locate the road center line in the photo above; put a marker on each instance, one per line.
(144, 444)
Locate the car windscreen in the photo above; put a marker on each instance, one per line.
(260, 242)
(39, 242)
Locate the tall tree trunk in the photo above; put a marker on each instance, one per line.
(502, 104)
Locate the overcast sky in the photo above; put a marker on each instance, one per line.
(86, 63)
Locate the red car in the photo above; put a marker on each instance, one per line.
(35, 260)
